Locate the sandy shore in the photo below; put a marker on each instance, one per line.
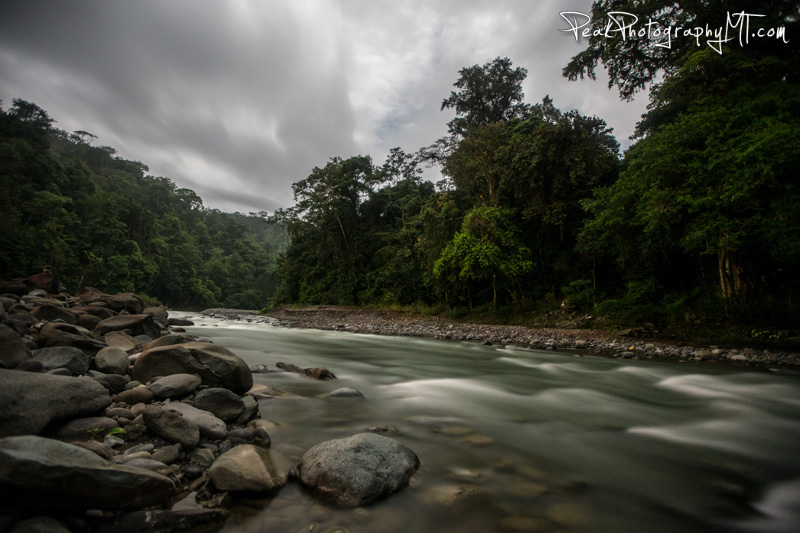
(580, 340)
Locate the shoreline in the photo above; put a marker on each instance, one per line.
(595, 342)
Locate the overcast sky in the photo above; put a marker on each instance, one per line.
(238, 99)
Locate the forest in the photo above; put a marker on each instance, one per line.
(96, 219)
(696, 224)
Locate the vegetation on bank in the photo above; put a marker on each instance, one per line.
(693, 231)
(99, 220)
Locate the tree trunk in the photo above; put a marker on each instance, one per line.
(731, 282)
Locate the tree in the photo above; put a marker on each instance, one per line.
(486, 248)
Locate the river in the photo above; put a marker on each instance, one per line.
(513, 439)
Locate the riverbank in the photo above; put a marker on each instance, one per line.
(591, 341)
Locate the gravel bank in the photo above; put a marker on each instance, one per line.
(581, 340)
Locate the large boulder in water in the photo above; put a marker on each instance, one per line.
(357, 470)
(30, 402)
(50, 474)
(216, 366)
(246, 468)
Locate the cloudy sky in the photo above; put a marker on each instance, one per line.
(238, 99)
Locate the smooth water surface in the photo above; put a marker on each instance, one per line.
(514, 439)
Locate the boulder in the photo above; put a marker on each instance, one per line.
(172, 426)
(246, 468)
(88, 321)
(112, 361)
(315, 373)
(139, 394)
(150, 464)
(125, 301)
(33, 401)
(69, 357)
(68, 335)
(113, 382)
(100, 312)
(50, 474)
(223, 403)
(210, 426)
(12, 349)
(161, 521)
(17, 287)
(166, 340)
(121, 340)
(44, 281)
(175, 385)
(357, 470)
(179, 322)
(216, 366)
(50, 313)
(85, 428)
(137, 324)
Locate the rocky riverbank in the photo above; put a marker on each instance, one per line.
(580, 340)
(113, 419)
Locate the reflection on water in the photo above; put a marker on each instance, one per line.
(525, 440)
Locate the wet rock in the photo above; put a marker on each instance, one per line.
(150, 464)
(125, 301)
(179, 322)
(246, 468)
(216, 366)
(345, 392)
(50, 474)
(315, 373)
(30, 402)
(112, 360)
(97, 447)
(209, 425)
(161, 521)
(203, 457)
(166, 340)
(249, 411)
(67, 357)
(223, 403)
(172, 426)
(68, 335)
(175, 386)
(357, 470)
(241, 436)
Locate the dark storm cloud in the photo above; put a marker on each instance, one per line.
(238, 99)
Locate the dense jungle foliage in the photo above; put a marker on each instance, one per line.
(99, 220)
(698, 222)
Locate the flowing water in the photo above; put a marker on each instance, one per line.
(514, 439)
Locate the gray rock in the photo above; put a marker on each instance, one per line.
(69, 357)
(30, 402)
(246, 468)
(160, 521)
(203, 457)
(172, 426)
(357, 470)
(150, 464)
(140, 394)
(85, 428)
(50, 313)
(99, 448)
(123, 341)
(113, 382)
(175, 385)
(216, 366)
(210, 426)
(223, 403)
(166, 454)
(55, 334)
(136, 324)
(112, 361)
(12, 349)
(249, 411)
(50, 474)
(345, 392)
(241, 436)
